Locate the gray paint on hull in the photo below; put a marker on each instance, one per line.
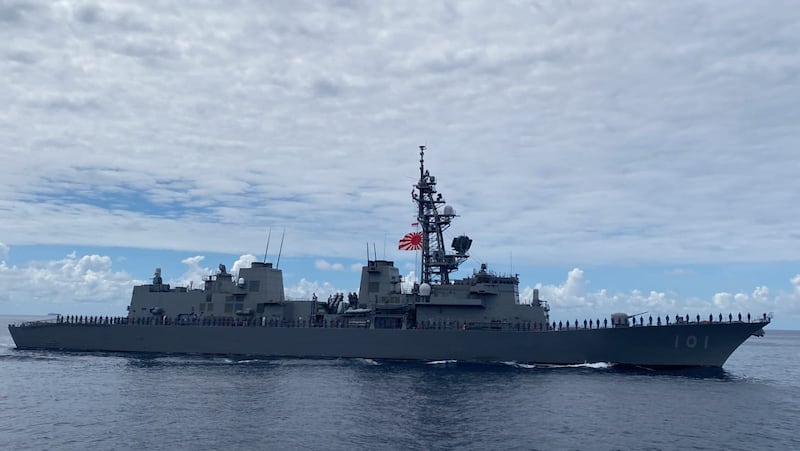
(651, 346)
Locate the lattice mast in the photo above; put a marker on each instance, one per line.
(437, 264)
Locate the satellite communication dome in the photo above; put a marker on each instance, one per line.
(425, 289)
(449, 211)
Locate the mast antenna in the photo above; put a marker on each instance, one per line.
(269, 234)
(278, 263)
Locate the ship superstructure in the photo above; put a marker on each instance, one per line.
(484, 300)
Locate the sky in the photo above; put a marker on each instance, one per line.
(619, 156)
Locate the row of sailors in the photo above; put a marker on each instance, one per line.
(678, 320)
(208, 321)
(427, 324)
(587, 324)
(80, 319)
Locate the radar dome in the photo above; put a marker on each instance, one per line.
(449, 211)
(425, 289)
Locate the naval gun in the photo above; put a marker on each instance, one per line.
(621, 319)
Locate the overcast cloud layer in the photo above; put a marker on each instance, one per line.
(566, 133)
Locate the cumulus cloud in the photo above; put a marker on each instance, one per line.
(194, 273)
(570, 293)
(571, 298)
(63, 283)
(245, 261)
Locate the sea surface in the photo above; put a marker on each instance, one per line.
(65, 401)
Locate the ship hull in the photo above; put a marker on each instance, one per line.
(681, 345)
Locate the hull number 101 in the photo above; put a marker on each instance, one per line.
(690, 342)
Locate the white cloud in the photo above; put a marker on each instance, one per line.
(64, 283)
(568, 294)
(4, 249)
(305, 289)
(722, 300)
(245, 261)
(617, 129)
(409, 280)
(571, 298)
(323, 265)
(194, 273)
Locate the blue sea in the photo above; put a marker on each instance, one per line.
(65, 401)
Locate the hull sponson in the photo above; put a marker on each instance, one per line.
(678, 345)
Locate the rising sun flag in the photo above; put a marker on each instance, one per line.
(411, 242)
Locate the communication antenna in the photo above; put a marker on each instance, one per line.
(367, 243)
(374, 251)
(269, 234)
(283, 235)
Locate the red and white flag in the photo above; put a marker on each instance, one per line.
(414, 224)
(411, 242)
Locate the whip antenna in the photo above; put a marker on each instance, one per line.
(269, 234)
(278, 263)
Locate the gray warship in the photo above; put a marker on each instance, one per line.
(479, 318)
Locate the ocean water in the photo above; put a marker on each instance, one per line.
(51, 400)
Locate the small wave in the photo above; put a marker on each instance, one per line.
(367, 361)
(526, 366)
(594, 365)
(442, 362)
(257, 361)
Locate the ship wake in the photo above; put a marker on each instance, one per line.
(594, 365)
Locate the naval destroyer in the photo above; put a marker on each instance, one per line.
(477, 318)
